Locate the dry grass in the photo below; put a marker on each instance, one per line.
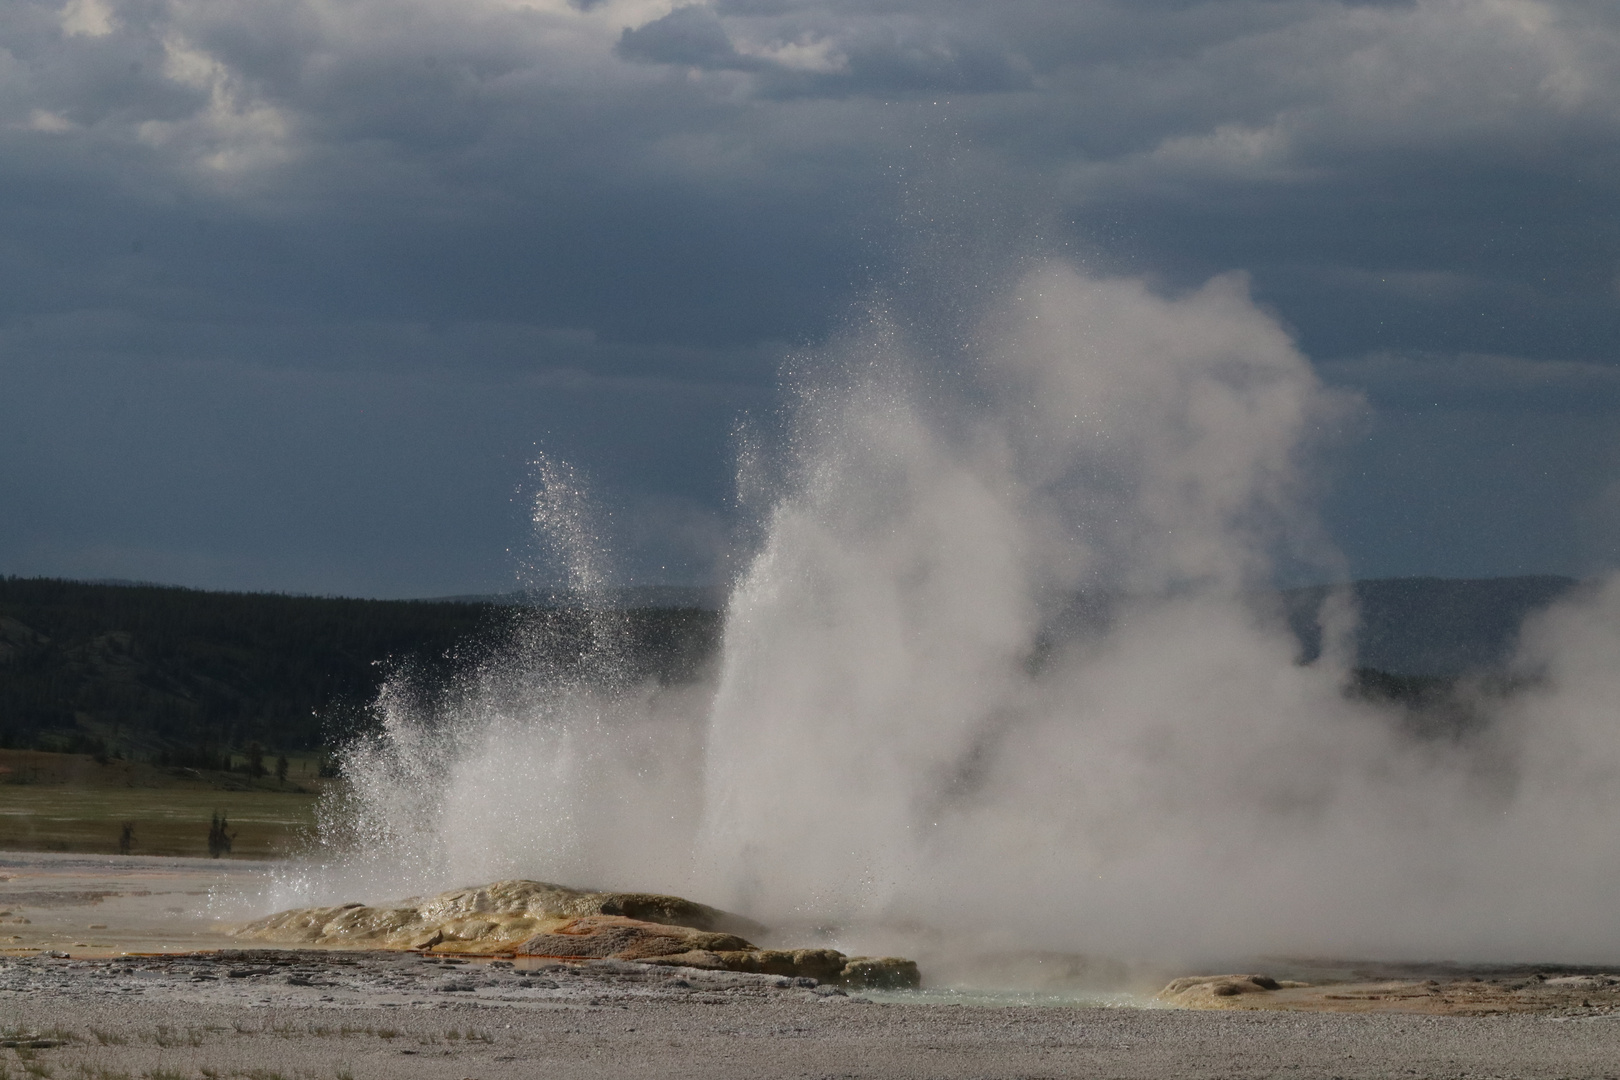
(167, 1037)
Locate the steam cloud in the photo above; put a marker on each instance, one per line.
(897, 735)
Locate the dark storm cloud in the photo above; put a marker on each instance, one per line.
(689, 35)
(475, 211)
(815, 57)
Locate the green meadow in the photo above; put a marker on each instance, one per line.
(72, 803)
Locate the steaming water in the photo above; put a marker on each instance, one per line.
(895, 744)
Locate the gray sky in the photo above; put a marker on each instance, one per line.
(294, 290)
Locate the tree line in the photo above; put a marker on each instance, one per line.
(198, 678)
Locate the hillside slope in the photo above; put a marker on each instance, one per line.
(188, 674)
(1432, 627)
(184, 676)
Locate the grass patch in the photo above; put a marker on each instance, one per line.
(168, 1037)
(470, 1035)
(171, 820)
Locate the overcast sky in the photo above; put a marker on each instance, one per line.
(293, 290)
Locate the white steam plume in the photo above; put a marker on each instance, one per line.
(897, 736)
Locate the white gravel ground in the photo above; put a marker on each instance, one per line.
(266, 1015)
(191, 1014)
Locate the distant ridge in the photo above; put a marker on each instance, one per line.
(192, 674)
(1430, 626)
(1421, 626)
(189, 675)
(624, 597)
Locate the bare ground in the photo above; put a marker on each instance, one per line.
(266, 1015)
(198, 1007)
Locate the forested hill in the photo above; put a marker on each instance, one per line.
(1432, 627)
(185, 675)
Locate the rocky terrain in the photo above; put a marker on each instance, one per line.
(271, 977)
(1433, 989)
(533, 919)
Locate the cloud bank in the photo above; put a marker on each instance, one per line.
(444, 204)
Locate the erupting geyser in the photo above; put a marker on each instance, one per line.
(911, 739)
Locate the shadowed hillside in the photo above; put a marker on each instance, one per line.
(186, 676)
(1432, 627)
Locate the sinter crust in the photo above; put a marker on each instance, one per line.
(537, 919)
(1439, 989)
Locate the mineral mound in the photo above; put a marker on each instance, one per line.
(1441, 989)
(533, 918)
(1215, 991)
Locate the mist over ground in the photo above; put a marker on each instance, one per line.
(891, 745)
